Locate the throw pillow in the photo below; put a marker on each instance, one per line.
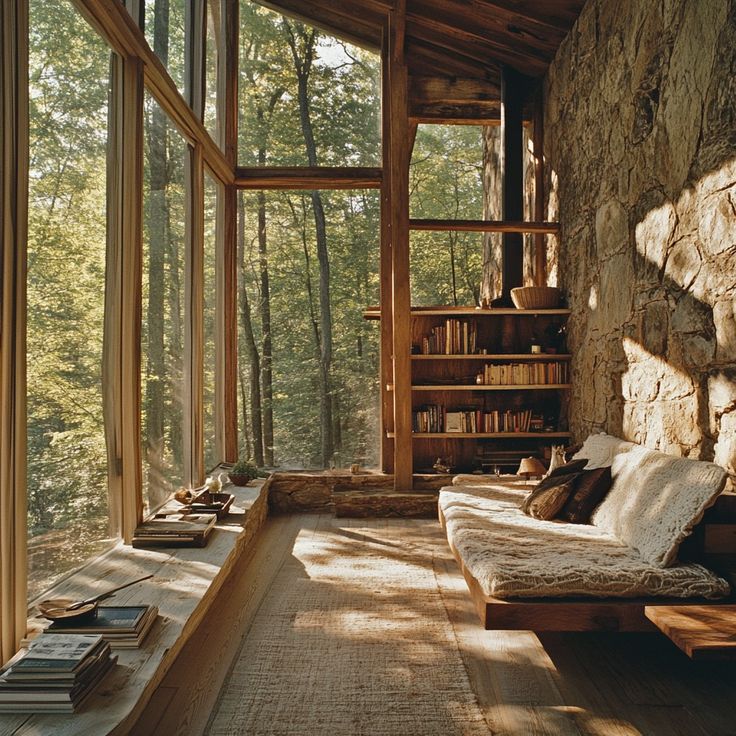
(546, 500)
(574, 466)
(590, 489)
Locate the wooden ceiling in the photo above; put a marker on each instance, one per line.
(453, 48)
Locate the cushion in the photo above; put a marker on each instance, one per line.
(546, 500)
(655, 501)
(574, 466)
(600, 449)
(590, 489)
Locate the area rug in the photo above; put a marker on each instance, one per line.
(352, 639)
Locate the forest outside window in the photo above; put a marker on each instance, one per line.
(68, 510)
(305, 98)
(164, 252)
(211, 191)
(308, 370)
(164, 28)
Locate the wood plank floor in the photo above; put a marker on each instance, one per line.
(597, 684)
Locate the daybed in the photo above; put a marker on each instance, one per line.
(525, 573)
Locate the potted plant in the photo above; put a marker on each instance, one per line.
(242, 473)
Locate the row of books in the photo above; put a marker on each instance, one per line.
(455, 337)
(434, 418)
(523, 374)
(54, 674)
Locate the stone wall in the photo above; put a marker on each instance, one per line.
(640, 139)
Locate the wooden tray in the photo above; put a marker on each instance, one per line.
(202, 504)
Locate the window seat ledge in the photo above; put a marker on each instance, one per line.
(186, 580)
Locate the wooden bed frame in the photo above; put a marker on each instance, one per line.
(565, 614)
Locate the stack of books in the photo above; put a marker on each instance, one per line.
(123, 627)
(175, 530)
(55, 674)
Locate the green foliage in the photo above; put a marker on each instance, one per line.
(246, 468)
(67, 459)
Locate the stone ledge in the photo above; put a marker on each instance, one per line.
(386, 504)
(313, 491)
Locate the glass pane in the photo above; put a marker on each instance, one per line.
(162, 371)
(446, 268)
(164, 27)
(301, 299)
(446, 173)
(339, 93)
(212, 51)
(210, 316)
(68, 518)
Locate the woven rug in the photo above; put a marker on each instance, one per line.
(351, 639)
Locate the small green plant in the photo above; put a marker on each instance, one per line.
(244, 468)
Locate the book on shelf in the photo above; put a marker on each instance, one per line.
(124, 627)
(454, 337)
(524, 374)
(437, 419)
(54, 674)
(174, 530)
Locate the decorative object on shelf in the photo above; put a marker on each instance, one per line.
(355, 468)
(242, 473)
(442, 465)
(529, 467)
(67, 610)
(213, 484)
(556, 459)
(555, 338)
(535, 297)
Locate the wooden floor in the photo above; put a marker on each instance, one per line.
(598, 684)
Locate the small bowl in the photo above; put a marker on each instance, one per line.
(54, 610)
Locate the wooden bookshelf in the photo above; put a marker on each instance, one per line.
(448, 345)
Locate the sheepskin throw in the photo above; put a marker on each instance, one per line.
(655, 501)
(514, 556)
(600, 449)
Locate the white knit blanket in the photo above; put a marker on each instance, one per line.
(512, 555)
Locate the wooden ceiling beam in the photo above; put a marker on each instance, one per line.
(451, 90)
(458, 114)
(548, 16)
(426, 59)
(308, 177)
(355, 22)
(443, 33)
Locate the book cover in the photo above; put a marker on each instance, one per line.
(109, 619)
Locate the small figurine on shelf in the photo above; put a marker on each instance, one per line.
(442, 465)
(555, 335)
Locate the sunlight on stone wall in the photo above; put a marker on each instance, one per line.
(640, 135)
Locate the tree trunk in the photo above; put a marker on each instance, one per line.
(251, 348)
(266, 343)
(302, 66)
(157, 221)
(492, 210)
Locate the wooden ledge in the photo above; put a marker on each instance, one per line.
(186, 579)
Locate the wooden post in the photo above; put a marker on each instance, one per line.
(396, 124)
(540, 242)
(513, 91)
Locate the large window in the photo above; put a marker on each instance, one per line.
(308, 266)
(164, 258)
(68, 519)
(290, 72)
(213, 50)
(164, 26)
(210, 320)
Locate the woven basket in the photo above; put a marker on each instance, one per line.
(536, 297)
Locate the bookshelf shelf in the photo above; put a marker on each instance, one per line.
(487, 435)
(485, 387)
(497, 356)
